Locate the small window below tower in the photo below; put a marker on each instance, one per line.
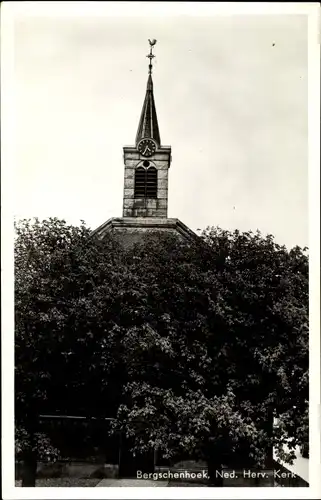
(146, 182)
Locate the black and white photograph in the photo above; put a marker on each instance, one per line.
(160, 255)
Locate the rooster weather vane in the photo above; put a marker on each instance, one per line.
(151, 55)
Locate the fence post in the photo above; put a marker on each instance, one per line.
(119, 454)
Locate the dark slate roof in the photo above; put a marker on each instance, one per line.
(148, 125)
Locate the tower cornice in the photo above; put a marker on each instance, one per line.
(161, 153)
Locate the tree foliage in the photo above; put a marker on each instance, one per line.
(229, 347)
(192, 346)
(63, 345)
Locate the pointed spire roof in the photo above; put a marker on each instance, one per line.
(148, 124)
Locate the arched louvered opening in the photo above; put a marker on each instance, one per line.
(146, 182)
(151, 182)
(140, 182)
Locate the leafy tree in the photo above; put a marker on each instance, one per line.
(61, 348)
(224, 347)
(194, 345)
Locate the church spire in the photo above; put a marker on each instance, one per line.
(148, 125)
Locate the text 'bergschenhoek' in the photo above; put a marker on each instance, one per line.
(172, 475)
(224, 474)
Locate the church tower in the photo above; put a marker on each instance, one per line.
(145, 195)
(147, 163)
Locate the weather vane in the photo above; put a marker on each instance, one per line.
(151, 55)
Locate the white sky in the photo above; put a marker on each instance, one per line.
(231, 97)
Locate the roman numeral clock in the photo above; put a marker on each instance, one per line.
(146, 147)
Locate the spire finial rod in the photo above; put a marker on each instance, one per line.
(151, 55)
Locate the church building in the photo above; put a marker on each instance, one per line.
(146, 173)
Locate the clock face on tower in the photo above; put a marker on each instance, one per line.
(146, 147)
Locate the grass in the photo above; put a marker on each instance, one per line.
(64, 482)
(189, 465)
(75, 482)
(184, 484)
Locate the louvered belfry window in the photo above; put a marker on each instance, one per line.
(146, 182)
